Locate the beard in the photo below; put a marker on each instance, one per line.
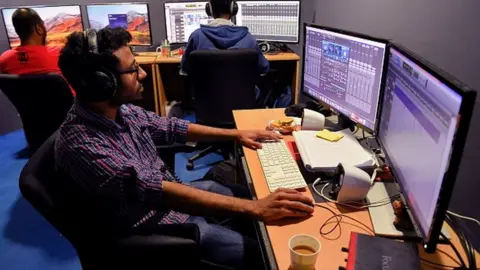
(121, 97)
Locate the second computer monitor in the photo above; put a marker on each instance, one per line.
(182, 18)
(132, 17)
(275, 21)
(345, 71)
(422, 131)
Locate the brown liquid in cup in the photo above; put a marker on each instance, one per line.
(306, 250)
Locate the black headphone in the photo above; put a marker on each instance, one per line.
(98, 82)
(233, 8)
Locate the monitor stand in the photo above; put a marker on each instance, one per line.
(345, 122)
(383, 216)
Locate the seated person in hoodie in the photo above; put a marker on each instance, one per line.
(222, 34)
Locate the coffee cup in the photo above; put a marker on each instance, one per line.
(304, 250)
(312, 120)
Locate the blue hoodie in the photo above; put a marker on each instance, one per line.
(221, 38)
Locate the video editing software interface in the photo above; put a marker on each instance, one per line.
(270, 20)
(132, 17)
(183, 18)
(417, 127)
(60, 22)
(345, 72)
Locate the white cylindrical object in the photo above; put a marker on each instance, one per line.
(301, 261)
(312, 120)
(355, 184)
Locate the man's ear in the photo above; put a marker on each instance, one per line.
(39, 29)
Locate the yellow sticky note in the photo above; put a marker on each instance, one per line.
(329, 136)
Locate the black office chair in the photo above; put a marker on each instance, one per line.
(223, 80)
(42, 100)
(164, 247)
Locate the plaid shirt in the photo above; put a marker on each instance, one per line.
(115, 164)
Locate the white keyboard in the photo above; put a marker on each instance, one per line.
(279, 167)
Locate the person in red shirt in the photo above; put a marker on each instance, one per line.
(32, 56)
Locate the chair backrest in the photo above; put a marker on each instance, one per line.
(44, 187)
(42, 100)
(223, 80)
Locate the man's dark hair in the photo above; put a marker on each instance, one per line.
(220, 7)
(75, 65)
(24, 21)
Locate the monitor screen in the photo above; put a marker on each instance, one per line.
(417, 127)
(132, 17)
(60, 22)
(276, 21)
(182, 18)
(345, 72)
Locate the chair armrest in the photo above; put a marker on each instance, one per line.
(182, 73)
(167, 152)
(162, 238)
(161, 247)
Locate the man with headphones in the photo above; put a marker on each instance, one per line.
(115, 179)
(223, 34)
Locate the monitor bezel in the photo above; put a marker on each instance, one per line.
(38, 6)
(165, 17)
(126, 3)
(382, 79)
(299, 21)
(431, 238)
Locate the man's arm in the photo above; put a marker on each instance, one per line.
(278, 205)
(248, 138)
(205, 134)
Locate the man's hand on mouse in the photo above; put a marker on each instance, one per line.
(281, 204)
(252, 138)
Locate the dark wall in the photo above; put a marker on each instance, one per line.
(8, 118)
(445, 33)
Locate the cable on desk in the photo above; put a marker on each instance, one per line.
(338, 221)
(382, 202)
(463, 217)
(469, 250)
(462, 262)
(437, 264)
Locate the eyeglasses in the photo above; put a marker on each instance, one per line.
(135, 69)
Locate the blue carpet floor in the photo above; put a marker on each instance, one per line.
(27, 240)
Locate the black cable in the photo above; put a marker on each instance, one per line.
(338, 218)
(462, 262)
(437, 264)
(469, 250)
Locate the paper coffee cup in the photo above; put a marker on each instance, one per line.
(304, 250)
(312, 120)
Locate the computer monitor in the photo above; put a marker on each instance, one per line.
(182, 18)
(423, 125)
(133, 17)
(345, 71)
(60, 22)
(274, 21)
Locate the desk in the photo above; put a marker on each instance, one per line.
(330, 256)
(152, 60)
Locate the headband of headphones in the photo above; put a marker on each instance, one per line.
(90, 36)
(233, 8)
(99, 83)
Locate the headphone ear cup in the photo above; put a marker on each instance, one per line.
(233, 8)
(102, 85)
(208, 9)
(107, 81)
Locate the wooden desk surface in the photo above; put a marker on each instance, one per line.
(146, 58)
(330, 256)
